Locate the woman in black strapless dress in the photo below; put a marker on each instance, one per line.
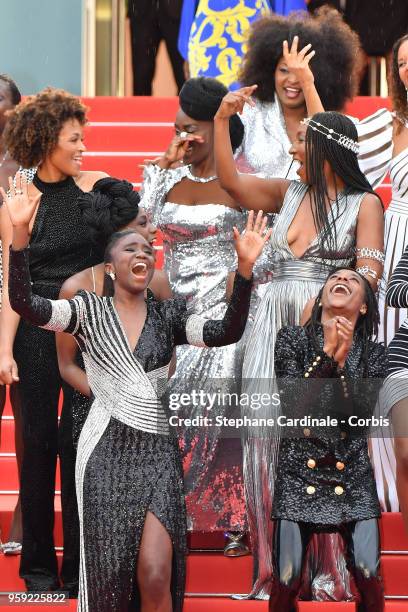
(45, 130)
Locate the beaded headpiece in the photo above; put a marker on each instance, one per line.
(330, 134)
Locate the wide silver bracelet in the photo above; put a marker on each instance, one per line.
(366, 271)
(367, 253)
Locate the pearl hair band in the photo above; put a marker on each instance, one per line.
(330, 134)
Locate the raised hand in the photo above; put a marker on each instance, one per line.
(250, 243)
(20, 206)
(297, 62)
(234, 101)
(176, 150)
(345, 333)
(330, 335)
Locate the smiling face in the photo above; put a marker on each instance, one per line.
(142, 225)
(344, 292)
(287, 87)
(6, 103)
(197, 151)
(132, 262)
(403, 63)
(67, 155)
(298, 151)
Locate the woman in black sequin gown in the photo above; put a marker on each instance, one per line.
(52, 122)
(325, 481)
(112, 205)
(128, 471)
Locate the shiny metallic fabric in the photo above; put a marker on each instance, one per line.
(198, 256)
(294, 282)
(265, 147)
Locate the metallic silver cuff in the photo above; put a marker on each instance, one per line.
(366, 271)
(61, 316)
(195, 329)
(368, 253)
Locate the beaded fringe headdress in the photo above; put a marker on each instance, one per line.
(330, 134)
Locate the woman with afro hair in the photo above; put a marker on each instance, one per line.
(45, 130)
(284, 95)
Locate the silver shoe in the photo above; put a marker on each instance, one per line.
(235, 547)
(12, 548)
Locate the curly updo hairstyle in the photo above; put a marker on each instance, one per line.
(335, 65)
(34, 125)
(398, 91)
(108, 208)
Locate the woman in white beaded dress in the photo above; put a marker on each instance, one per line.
(322, 220)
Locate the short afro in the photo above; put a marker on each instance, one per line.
(335, 66)
(34, 125)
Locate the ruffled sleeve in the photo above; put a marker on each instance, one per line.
(157, 182)
(375, 145)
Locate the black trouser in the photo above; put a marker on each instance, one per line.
(363, 551)
(40, 386)
(148, 30)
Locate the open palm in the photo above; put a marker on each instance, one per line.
(250, 243)
(21, 207)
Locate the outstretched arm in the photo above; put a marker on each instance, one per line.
(67, 348)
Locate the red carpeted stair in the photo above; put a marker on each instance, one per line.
(121, 135)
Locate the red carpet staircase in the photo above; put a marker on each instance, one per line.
(121, 135)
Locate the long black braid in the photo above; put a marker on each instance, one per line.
(343, 163)
(366, 326)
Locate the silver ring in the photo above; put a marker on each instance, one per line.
(183, 134)
(19, 192)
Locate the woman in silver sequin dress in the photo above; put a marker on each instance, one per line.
(128, 470)
(321, 222)
(196, 218)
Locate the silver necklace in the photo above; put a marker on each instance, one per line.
(199, 179)
(4, 159)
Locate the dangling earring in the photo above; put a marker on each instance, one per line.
(363, 310)
(320, 304)
(112, 275)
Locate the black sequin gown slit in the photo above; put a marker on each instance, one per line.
(128, 461)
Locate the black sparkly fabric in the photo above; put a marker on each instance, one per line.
(59, 247)
(127, 471)
(321, 394)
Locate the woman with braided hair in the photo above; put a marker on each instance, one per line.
(329, 217)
